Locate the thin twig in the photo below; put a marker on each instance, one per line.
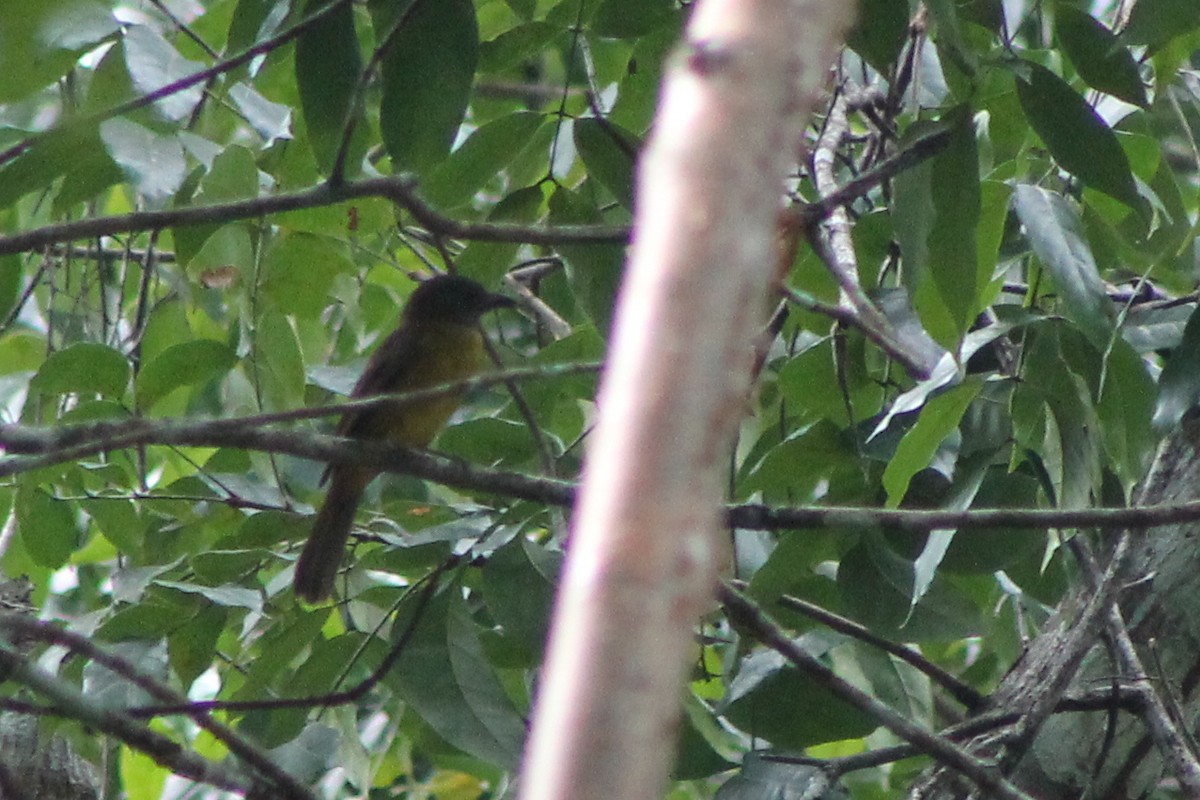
(88, 711)
(1172, 745)
(25, 626)
(399, 189)
(765, 630)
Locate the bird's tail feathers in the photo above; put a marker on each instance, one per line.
(318, 566)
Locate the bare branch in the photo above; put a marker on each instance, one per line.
(21, 625)
(120, 726)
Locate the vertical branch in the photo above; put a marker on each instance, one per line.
(641, 564)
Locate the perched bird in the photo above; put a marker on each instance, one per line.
(438, 341)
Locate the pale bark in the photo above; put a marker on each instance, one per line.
(642, 556)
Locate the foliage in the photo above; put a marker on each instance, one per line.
(1044, 256)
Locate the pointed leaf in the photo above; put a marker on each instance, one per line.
(444, 676)
(609, 152)
(153, 64)
(1098, 55)
(427, 76)
(1179, 384)
(938, 420)
(953, 256)
(481, 158)
(1155, 22)
(154, 164)
(85, 367)
(48, 527)
(328, 69)
(183, 365)
(1080, 141)
(1055, 232)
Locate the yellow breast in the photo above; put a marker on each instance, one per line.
(439, 353)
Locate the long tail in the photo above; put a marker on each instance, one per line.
(318, 566)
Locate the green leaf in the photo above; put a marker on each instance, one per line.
(118, 522)
(487, 440)
(443, 675)
(73, 148)
(1075, 134)
(228, 247)
(85, 367)
(878, 589)
(487, 261)
(43, 40)
(610, 154)
(271, 121)
(154, 164)
(953, 255)
(115, 691)
(774, 700)
(286, 638)
(1179, 384)
(192, 647)
(880, 32)
(323, 669)
(1156, 22)
(704, 742)
(299, 271)
(151, 618)
(427, 76)
(1098, 55)
(938, 420)
(951, 42)
(183, 365)
(1055, 232)
(984, 552)
(232, 176)
(47, 526)
(481, 158)
(153, 63)
(594, 270)
(1069, 451)
(518, 586)
(1126, 408)
(279, 364)
(792, 471)
(629, 19)
(515, 45)
(328, 69)
(235, 597)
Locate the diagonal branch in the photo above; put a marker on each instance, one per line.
(765, 630)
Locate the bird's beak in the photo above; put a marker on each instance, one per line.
(499, 301)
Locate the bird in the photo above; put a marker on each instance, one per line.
(437, 341)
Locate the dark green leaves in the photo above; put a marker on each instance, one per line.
(84, 368)
(328, 69)
(1179, 386)
(40, 46)
(183, 365)
(1056, 235)
(427, 77)
(786, 707)
(880, 32)
(444, 676)
(1155, 22)
(610, 152)
(1098, 55)
(1075, 134)
(480, 158)
(626, 19)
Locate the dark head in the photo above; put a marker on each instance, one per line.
(452, 298)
